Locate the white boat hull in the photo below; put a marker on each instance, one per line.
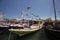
(21, 32)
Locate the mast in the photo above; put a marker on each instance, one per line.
(22, 12)
(1, 16)
(22, 16)
(54, 10)
(28, 8)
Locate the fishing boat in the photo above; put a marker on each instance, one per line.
(28, 25)
(52, 28)
(33, 26)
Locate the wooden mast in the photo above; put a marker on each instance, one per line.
(54, 10)
(28, 8)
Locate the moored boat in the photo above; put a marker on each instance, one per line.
(52, 28)
(26, 29)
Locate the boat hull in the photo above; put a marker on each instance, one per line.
(22, 32)
(52, 33)
(3, 29)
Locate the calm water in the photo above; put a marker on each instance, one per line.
(39, 35)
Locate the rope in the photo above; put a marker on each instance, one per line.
(9, 36)
(34, 15)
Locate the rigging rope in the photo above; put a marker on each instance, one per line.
(34, 15)
(9, 36)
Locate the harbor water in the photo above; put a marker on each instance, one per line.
(38, 35)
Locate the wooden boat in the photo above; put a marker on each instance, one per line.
(52, 33)
(30, 25)
(26, 30)
(52, 28)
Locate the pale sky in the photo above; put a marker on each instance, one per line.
(41, 8)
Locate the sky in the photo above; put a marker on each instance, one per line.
(41, 8)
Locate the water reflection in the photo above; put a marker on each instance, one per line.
(38, 35)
